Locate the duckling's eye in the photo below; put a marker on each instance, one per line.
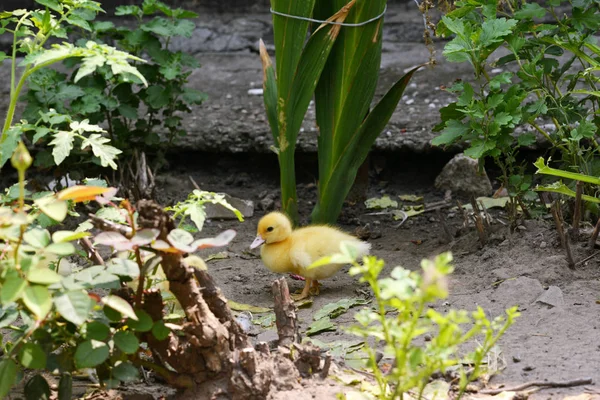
(270, 229)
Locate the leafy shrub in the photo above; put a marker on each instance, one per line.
(63, 320)
(401, 317)
(553, 91)
(31, 31)
(137, 114)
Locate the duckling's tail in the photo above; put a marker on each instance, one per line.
(361, 248)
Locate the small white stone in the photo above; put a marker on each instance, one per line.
(255, 92)
(410, 101)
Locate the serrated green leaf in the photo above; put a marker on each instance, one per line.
(38, 300)
(142, 323)
(529, 11)
(106, 153)
(126, 341)
(90, 353)
(74, 306)
(38, 238)
(63, 144)
(43, 276)
(526, 139)
(160, 331)
(9, 144)
(31, 355)
(126, 372)
(123, 267)
(52, 207)
(8, 372)
(120, 305)
(37, 388)
(12, 289)
(96, 330)
(494, 30)
(61, 249)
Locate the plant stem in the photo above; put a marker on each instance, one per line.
(289, 198)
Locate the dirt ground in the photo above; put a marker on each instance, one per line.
(545, 344)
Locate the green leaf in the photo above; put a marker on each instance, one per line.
(160, 331)
(197, 215)
(334, 310)
(543, 169)
(193, 96)
(494, 30)
(37, 299)
(126, 341)
(12, 289)
(91, 353)
(51, 4)
(123, 267)
(43, 276)
(526, 139)
(63, 144)
(68, 236)
(37, 238)
(65, 387)
(120, 305)
(96, 330)
(37, 388)
(586, 18)
(320, 326)
(32, 356)
(586, 129)
(143, 322)
(559, 187)
(381, 203)
(530, 11)
(8, 146)
(61, 249)
(106, 153)
(74, 306)
(247, 307)
(128, 10)
(157, 97)
(52, 207)
(126, 372)
(8, 372)
(538, 107)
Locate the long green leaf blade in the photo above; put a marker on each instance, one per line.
(269, 91)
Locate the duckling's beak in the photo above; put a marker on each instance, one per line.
(257, 242)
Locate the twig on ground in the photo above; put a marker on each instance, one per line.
(556, 213)
(285, 313)
(551, 384)
(577, 212)
(445, 227)
(478, 222)
(587, 258)
(194, 183)
(594, 236)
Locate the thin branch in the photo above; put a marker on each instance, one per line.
(551, 384)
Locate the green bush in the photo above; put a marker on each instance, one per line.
(66, 134)
(144, 114)
(553, 91)
(401, 318)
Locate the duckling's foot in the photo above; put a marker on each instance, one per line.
(305, 292)
(314, 290)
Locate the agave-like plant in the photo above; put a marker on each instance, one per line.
(340, 65)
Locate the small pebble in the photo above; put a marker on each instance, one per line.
(543, 245)
(427, 337)
(516, 359)
(432, 219)
(528, 368)
(255, 92)
(237, 278)
(410, 101)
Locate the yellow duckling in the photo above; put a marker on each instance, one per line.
(292, 251)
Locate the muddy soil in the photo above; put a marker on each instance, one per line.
(545, 344)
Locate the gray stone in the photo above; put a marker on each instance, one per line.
(267, 336)
(552, 297)
(267, 203)
(217, 211)
(521, 291)
(461, 175)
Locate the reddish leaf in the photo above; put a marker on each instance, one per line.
(115, 240)
(221, 240)
(81, 193)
